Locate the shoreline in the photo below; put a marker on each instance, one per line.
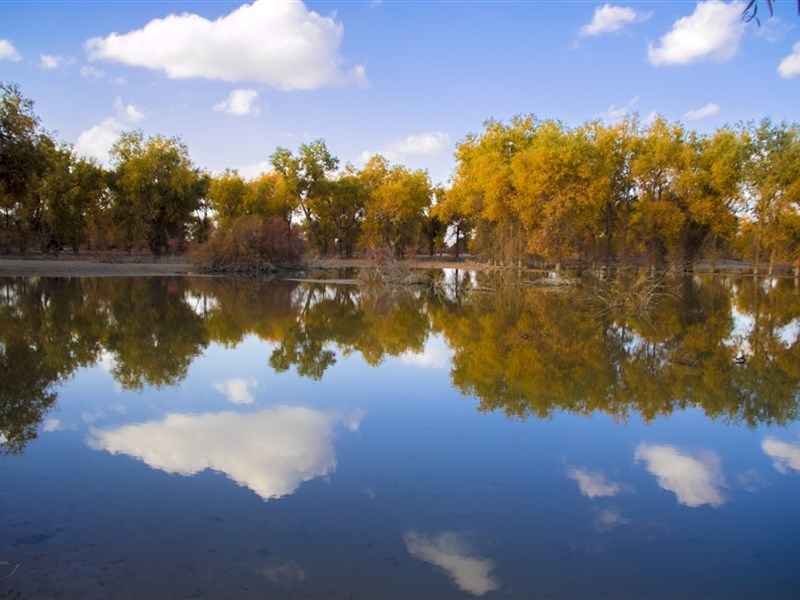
(43, 267)
(93, 266)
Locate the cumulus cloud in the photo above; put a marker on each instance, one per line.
(695, 480)
(270, 452)
(608, 519)
(609, 18)
(253, 170)
(9, 52)
(784, 455)
(416, 145)
(90, 72)
(790, 66)
(239, 103)
(282, 44)
(421, 144)
(129, 112)
(712, 32)
(50, 62)
(616, 113)
(237, 390)
(593, 484)
(97, 141)
(449, 552)
(707, 110)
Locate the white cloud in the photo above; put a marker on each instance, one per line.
(594, 484)
(784, 455)
(695, 480)
(107, 362)
(713, 31)
(609, 18)
(237, 390)
(707, 110)
(608, 519)
(417, 145)
(239, 103)
(96, 142)
(420, 144)
(52, 425)
(435, 355)
(617, 113)
(90, 72)
(8, 52)
(790, 66)
(51, 62)
(254, 170)
(270, 452)
(282, 44)
(449, 552)
(650, 118)
(129, 112)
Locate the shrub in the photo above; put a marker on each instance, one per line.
(250, 244)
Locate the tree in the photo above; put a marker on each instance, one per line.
(658, 221)
(484, 185)
(306, 177)
(554, 183)
(773, 189)
(396, 206)
(21, 163)
(227, 195)
(449, 210)
(157, 188)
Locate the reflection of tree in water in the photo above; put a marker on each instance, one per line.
(354, 320)
(152, 333)
(47, 331)
(525, 351)
(51, 327)
(535, 352)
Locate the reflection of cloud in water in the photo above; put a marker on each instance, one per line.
(107, 362)
(784, 455)
(201, 304)
(609, 519)
(593, 484)
(52, 425)
(449, 552)
(743, 324)
(789, 333)
(270, 452)
(695, 480)
(435, 355)
(237, 390)
(285, 574)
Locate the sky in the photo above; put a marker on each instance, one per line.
(408, 79)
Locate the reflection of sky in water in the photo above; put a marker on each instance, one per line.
(385, 482)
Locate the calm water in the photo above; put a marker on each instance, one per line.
(213, 438)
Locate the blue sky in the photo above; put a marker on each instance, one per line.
(408, 79)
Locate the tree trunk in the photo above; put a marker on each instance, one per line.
(771, 262)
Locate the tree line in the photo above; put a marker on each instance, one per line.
(523, 192)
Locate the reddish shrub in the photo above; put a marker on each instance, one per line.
(250, 243)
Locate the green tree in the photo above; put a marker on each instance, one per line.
(156, 187)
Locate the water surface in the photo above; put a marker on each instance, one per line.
(220, 438)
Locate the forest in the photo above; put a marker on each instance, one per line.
(525, 192)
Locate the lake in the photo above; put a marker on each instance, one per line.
(204, 437)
